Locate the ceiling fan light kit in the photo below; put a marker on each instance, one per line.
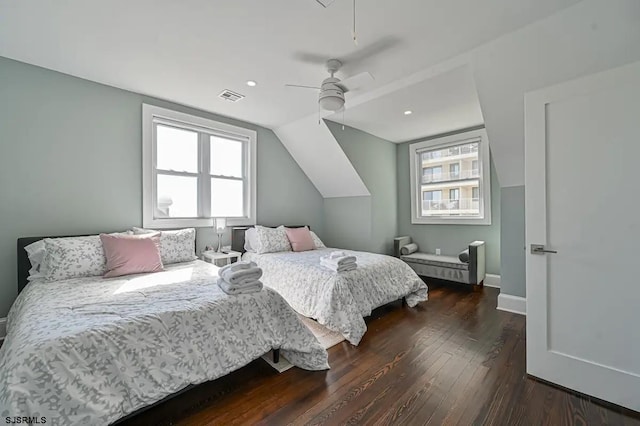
(331, 99)
(332, 89)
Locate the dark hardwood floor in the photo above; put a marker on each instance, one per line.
(452, 360)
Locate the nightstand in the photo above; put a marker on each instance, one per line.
(221, 259)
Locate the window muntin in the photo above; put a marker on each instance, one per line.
(454, 171)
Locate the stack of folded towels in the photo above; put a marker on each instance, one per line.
(240, 278)
(339, 261)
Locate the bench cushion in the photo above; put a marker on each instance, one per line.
(433, 260)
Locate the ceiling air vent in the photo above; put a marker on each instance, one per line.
(230, 95)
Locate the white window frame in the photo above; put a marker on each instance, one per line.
(152, 114)
(415, 173)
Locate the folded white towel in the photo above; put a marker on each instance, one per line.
(338, 268)
(336, 254)
(241, 275)
(235, 290)
(340, 261)
(237, 266)
(246, 281)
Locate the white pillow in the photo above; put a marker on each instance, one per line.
(36, 252)
(73, 257)
(250, 240)
(271, 240)
(175, 246)
(317, 241)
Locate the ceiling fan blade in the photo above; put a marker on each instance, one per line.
(302, 86)
(373, 49)
(352, 59)
(356, 81)
(310, 58)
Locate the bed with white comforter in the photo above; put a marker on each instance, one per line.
(92, 350)
(339, 301)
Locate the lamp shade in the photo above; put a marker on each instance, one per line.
(220, 223)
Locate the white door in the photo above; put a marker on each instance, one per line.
(583, 200)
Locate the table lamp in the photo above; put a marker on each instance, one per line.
(219, 223)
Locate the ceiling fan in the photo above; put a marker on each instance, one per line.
(332, 89)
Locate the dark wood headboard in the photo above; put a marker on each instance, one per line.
(237, 236)
(24, 265)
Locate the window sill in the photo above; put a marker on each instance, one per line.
(451, 221)
(192, 223)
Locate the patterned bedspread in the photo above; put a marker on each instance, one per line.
(339, 301)
(91, 350)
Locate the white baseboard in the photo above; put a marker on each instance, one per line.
(3, 328)
(491, 280)
(513, 304)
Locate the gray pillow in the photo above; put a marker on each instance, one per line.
(464, 256)
(408, 249)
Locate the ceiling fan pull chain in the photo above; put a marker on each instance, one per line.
(342, 118)
(355, 37)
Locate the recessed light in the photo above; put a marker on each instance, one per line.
(251, 83)
(408, 112)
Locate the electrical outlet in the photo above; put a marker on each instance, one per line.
(437, 252)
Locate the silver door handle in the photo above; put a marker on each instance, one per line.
(539, 249)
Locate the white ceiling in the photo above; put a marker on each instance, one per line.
(189, 51)
(443, 103)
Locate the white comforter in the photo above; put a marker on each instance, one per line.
(91, 350)
(339, 301)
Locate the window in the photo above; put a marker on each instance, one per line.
(465, 158)
(454, 171)
(195, 169)
(431, 174)
(475, 193)
(431, 200)
(432, 195)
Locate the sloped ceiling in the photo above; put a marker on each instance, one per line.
(312, 145)
(445, 102)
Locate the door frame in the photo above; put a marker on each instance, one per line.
(564, 370)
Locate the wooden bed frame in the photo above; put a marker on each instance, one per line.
(24, 265)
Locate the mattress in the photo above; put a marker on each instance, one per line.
(339, 301)
(92, 350)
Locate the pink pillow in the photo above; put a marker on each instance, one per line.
(131, 254)
(300, 239)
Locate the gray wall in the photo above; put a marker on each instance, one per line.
(512, 237)
(364, 223)
(71, 162)
(451, 239)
